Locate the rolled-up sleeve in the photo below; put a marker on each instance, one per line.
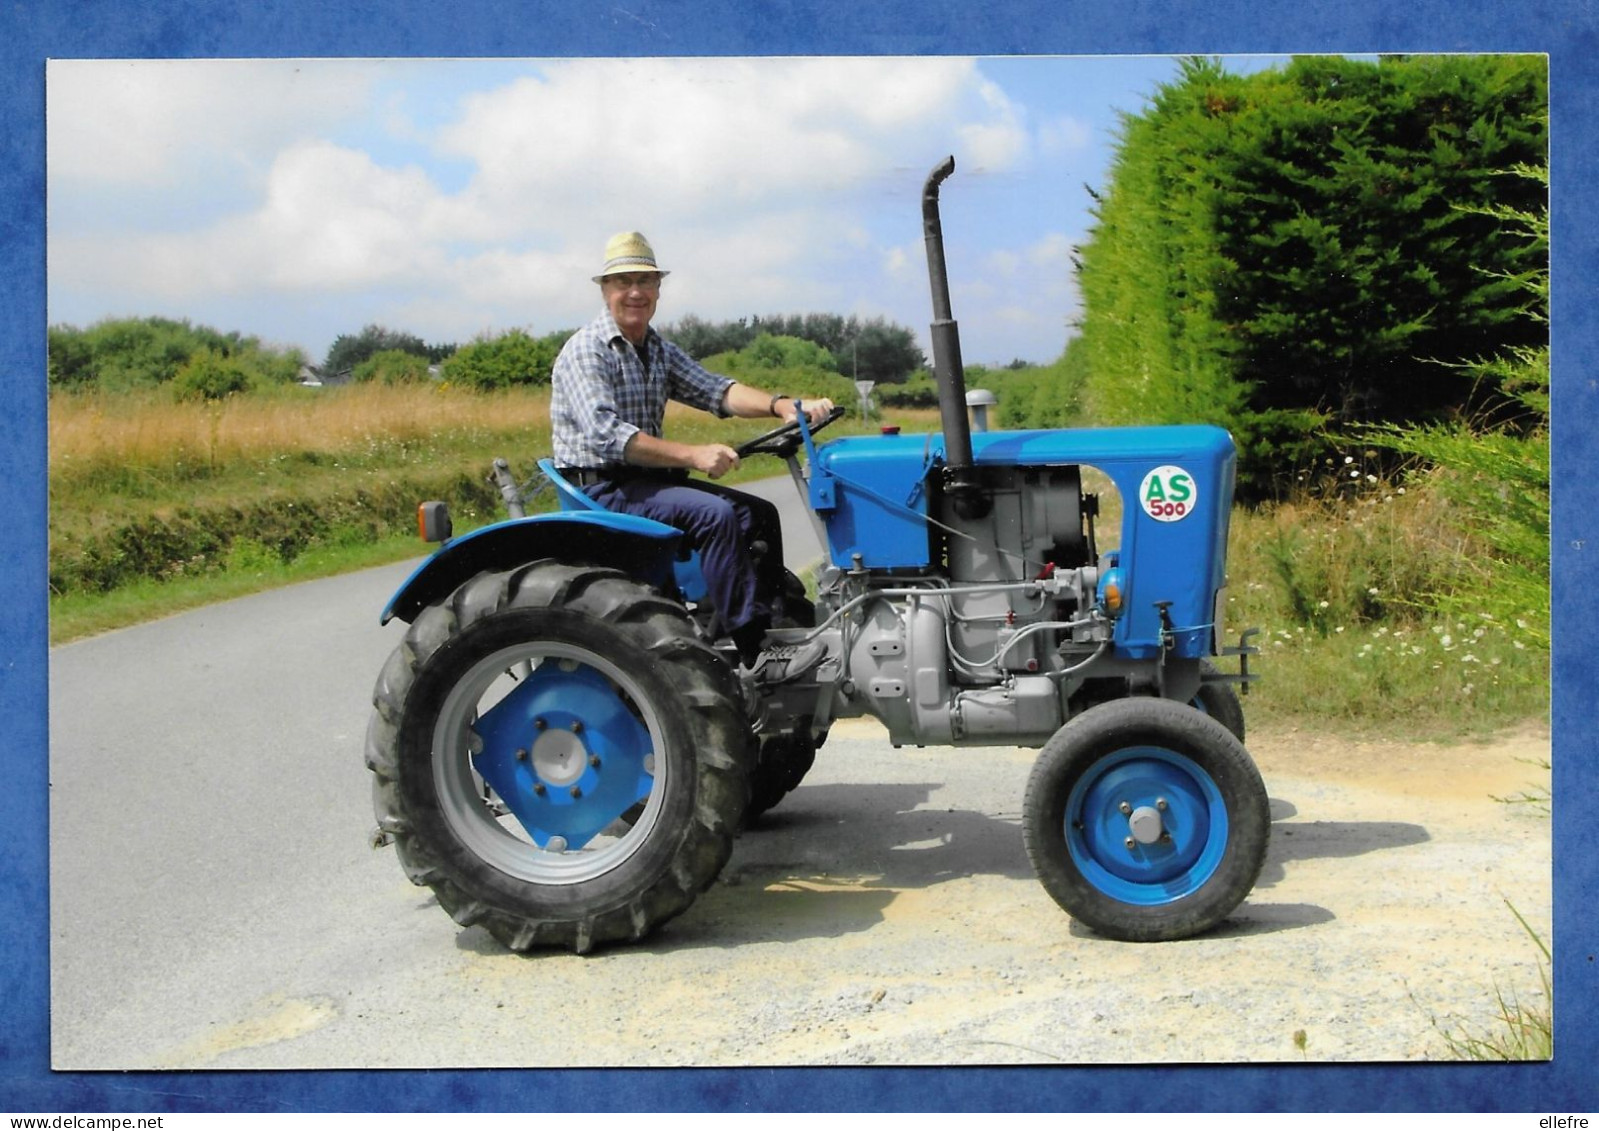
(693, 384)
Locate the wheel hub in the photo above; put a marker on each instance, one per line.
(1145, 825)
(565, 754)
(559, 757)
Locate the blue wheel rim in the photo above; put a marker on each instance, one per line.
(547, 763)
(1192, 816)
(592, 767)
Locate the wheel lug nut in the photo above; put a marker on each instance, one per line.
(577, 726)
(1160, 803)
(577, 791)
(1130, 843)
(1125, 807)
(521, 755)
(538, 788)
(539, 724)
(594, 760)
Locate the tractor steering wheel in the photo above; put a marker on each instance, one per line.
(784, 440)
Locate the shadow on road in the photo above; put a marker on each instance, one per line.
(1323, 840)
(831, 858)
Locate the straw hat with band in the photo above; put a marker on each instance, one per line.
(627, 253)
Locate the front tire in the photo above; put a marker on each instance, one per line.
(558, 756)
(1146, 820)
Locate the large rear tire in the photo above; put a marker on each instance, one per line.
(558, 756)
(1146, 820)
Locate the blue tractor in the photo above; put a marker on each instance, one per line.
(564, 754)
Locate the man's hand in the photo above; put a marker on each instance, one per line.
(715, 460)
(815, 411)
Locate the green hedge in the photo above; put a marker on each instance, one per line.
(188, 540)
(1303, 246)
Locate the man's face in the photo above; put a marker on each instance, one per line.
(631, 299)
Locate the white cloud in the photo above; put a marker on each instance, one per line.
(755, 178)
(157, 122)
(681, 139)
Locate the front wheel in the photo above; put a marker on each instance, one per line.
(558, 756)
(1146, 820)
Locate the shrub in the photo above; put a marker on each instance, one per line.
(921, 391)
(209, 376)
(513, 358)
(392, 367)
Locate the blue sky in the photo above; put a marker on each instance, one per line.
(299, 199)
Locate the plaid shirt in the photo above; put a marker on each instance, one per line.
(603, 395)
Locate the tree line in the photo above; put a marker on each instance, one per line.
(197, 361)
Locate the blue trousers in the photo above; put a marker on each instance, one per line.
(720, 523)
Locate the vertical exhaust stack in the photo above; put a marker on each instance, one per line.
(960, 473)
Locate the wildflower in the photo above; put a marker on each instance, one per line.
(1340, 628)
(1446, 640)
(1370, 478)
(1468, 658)
(1468, 689)
(1324, 605)
(1372, 591)
(1348, 460)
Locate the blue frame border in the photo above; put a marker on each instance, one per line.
(1567, 30)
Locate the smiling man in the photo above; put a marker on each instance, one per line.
(611, 384)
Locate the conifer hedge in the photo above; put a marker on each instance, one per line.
(1299, 249)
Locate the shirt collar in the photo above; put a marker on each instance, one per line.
(607, 326)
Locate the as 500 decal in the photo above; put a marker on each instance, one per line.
(1168, 494)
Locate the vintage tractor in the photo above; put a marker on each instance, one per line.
(564, 754)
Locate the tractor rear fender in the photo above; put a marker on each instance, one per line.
(641, 547)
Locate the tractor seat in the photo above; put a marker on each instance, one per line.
(571, 498)
(690, 578)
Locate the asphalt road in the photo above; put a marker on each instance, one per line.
(215, 903)
(208, 820)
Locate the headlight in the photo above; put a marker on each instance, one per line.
(1112, 585)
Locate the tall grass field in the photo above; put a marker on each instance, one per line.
(157, 505)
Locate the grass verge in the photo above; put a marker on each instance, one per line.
(78, 615)
(1523, 1030)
